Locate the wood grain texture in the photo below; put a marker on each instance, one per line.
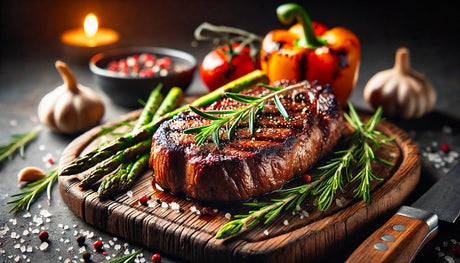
(191, 237)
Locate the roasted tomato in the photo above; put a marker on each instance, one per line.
(222, 65)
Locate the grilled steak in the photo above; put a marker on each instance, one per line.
(248, 165)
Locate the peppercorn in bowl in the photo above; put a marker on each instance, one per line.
(129, 75)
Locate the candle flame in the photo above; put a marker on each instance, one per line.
(90, 25)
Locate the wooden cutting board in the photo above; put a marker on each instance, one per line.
(306, 237)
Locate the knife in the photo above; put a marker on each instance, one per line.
(406, 232)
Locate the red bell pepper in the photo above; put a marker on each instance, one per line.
(330, 57)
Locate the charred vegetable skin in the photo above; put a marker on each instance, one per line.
(332, 56)
(223, 65)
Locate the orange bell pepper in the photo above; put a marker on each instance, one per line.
(297, 54)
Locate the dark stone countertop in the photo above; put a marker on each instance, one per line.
(30, 45)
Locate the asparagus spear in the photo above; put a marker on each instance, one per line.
(150, 107)
(171, 100)
(81, 164)
(112, 181)
(128, 173)
(124, 178)
(114, 162)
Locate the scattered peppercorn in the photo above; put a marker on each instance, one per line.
(81, 240)
(43, 236)
(98, 245)
(145, 65)
(306, 178)
(445, 147)
(156, 258)
(143, 200)
(86, 256)
(158, 200)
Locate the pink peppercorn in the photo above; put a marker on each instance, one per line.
(445, 147)
(156, 258)
(43, 236)
(306, 178)
(143, 200)
(98, 245)
(164, 62)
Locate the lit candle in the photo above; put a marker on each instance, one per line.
(88, 40)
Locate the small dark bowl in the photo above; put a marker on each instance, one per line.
(127, 90)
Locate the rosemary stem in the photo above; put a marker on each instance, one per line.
(262, 212)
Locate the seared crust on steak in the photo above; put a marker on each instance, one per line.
(248, 165)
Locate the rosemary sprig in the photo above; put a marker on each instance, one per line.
(33, 191)
(230, 118)
(358, 156)
(18, 142)
(126, 258)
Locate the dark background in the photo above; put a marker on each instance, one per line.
(30, 45)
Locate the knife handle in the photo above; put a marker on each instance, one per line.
(399, 239)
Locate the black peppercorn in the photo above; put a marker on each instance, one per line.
(81, 240)
(86, 256)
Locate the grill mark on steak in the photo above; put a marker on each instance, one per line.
(249, 164)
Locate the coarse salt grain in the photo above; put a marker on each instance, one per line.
(45, 213)
(25, 233)
(266, 232)
(44, 246)
(164, 204)
(82, 249)
(27, 215)
(129, 193)
(228, 216)
(174, 206)
(285, 222)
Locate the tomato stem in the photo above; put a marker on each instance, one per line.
(289, 13)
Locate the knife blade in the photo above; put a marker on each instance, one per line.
(406, 232)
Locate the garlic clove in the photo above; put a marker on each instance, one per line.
(70, 108)
(400, 90)
(30, 174)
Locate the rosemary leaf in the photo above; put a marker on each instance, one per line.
(281, 108)
(18, 143)
(233, 117)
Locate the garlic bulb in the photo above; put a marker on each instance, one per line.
(72, 107)
(400, 90)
